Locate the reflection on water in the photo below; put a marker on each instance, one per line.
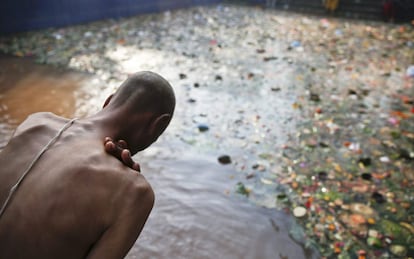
(196, 214)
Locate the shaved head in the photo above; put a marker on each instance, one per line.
(145, 92)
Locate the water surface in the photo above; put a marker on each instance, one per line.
(196, 213)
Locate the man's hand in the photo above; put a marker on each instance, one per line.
(120, 150)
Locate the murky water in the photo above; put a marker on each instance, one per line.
(285, 96)
(196, 214)
(25, 89)
(195, 217)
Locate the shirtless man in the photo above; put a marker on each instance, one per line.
(75, 200)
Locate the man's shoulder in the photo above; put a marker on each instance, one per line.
(41, 117)
(131, 180)
(119, 178)
(125, 188)
(39, 120)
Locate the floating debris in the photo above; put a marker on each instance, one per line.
(299, 212)
(334, 115)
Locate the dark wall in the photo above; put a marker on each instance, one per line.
(24, 15)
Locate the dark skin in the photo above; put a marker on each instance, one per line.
(84, 197)
(119, 149)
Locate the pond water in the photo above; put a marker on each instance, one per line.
(316, 114)
(196, 214)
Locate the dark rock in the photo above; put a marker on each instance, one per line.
(314, 97)
(366, 176)
(224, 159)
(366, 161)
(323, 145)
(203, 127)
(266, 59)
(352, 92)
(322, 176)
(378, 197)
(404, 154)
(182, 76)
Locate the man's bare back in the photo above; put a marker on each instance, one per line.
(80, 195)
(77, 201)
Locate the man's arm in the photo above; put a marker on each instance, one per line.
(127, 223)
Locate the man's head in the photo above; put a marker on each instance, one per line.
(146, 103)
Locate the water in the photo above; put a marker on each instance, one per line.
(195, 217)
(196, 213)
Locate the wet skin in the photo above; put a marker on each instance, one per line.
(90, 205)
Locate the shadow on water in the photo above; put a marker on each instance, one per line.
(196, 214)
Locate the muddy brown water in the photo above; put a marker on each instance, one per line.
(196, 213)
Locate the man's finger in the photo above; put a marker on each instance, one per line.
(107, 139)
(110, 147)
(126, 157)
(119, 150)
(128, 161)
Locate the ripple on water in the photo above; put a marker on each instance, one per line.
(193, 217)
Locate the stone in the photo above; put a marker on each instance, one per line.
(224, 159)
(203, 127)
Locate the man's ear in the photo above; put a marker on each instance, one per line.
(107, 100)
(158, 126)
